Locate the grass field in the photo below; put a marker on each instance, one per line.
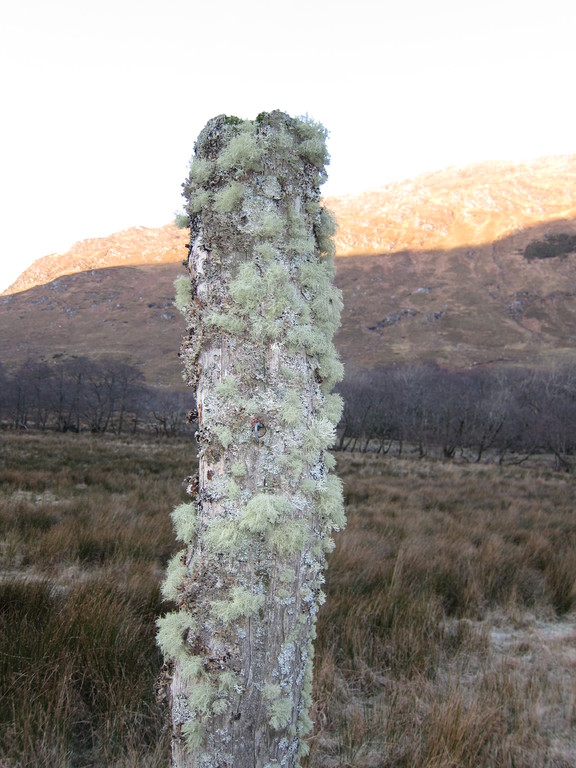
(448, 637)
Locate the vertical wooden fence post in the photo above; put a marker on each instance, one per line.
(261, 311)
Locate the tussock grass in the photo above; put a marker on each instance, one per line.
(447, 637)
(434, 556)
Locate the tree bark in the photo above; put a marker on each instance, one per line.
(261, 311)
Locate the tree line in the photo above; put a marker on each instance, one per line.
(422, 408)
(79, 394)
(500, 410)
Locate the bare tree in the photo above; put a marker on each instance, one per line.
(261, 311)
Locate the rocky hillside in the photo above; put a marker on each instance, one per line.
(463, 267)
(457, 207)
(134, 246)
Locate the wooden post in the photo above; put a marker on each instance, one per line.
(261, 311)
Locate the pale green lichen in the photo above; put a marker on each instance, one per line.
(270, 225)
(175, 573)
(319, 436)
(333, 407)
(227, 322)
(200, 170)
(247, 289)
(227, 389)
(183, 293)
(263, 511)
(193, 733)
(184, 521)
(223, 537)
(243, 153)
(182, 220)
(200, 697)
(292, 409)
(292, 463)
(198, 201)
(224, 435)
(279, 707)
(280, 711)
(238, 469)
(325, 231)
(172, 629)
(331, 503)
(289, 537)
(233, 490)
(242, 604)
(229, 198)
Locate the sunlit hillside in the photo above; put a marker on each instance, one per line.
(463, 267)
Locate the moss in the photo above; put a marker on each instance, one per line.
(184, 521)
(242, 604)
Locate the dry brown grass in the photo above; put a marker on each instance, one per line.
(447, 639)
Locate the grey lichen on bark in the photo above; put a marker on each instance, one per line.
(261, 311)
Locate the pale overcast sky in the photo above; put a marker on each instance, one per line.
(102, 101)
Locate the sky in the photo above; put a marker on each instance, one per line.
(101, 102)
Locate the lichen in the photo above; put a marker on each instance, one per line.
(183, 293)
(261, 311)
(175, 574)
(184, 521)
(172, 630)
(242, 604)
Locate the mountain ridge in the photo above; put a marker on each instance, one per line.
(500, 292)
(443, 209)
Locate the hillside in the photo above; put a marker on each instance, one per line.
(434, 269)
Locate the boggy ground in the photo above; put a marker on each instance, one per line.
(448, 637)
